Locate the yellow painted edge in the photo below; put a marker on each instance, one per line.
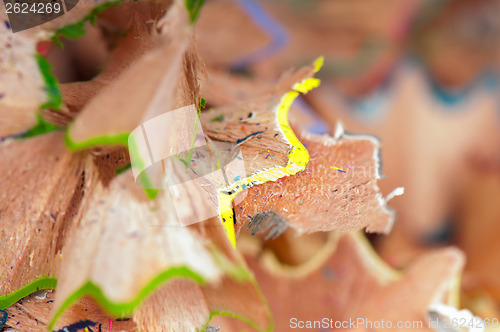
(297, 157)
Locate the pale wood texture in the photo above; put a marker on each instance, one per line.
(42, 185)
(21, 83)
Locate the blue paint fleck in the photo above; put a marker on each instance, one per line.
(241, 140)
(328, 273)
(3, 318)
(78, 326)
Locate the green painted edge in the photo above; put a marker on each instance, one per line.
(77, 30)
(54, 102)
(118, 139)
(193, 7)
(41, 283)
(125, 168)
(127, 308)
(51, 84)
(124, 309)
(42, 127)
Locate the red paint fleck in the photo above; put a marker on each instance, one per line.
(43, 47)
